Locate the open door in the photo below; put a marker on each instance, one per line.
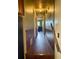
(20, 39)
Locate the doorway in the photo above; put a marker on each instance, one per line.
(40, 24)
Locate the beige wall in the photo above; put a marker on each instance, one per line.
(58, 26)
(27, 24)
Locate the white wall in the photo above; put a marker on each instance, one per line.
(28, 23)
(58, 26)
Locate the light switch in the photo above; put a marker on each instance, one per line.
(58, 35)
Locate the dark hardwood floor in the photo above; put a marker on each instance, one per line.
(39, 56)
(40, 49)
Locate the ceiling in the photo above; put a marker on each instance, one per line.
(29, 5)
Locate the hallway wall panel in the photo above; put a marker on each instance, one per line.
(58, 26)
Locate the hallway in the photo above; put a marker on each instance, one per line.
(39, 16)
(41, 48)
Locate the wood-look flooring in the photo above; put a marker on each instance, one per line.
(41, 48)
